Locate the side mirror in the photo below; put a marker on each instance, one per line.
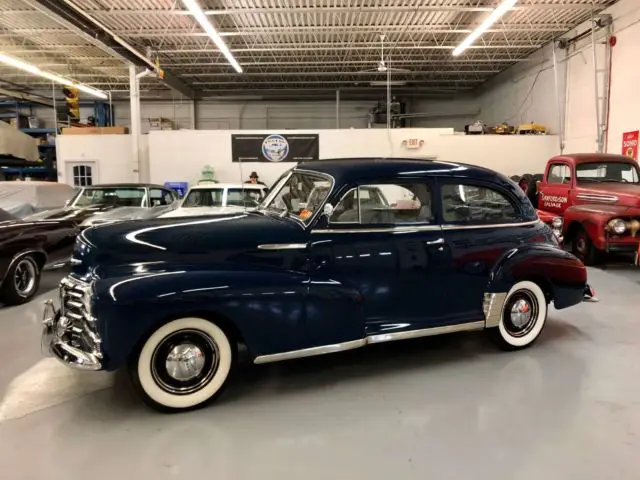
(327, 211)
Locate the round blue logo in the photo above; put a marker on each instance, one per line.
(275, 148)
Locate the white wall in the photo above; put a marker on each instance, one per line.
(112, 153)
(527, 91)
(181, 155)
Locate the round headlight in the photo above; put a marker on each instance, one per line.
(556, 222)
(617, 226)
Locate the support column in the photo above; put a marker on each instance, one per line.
(136, 119)
(337, 109)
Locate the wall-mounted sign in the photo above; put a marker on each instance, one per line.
(179, 187)
(630, 144)
(412, 143)
(275, 148)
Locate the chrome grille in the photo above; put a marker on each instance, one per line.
(77, 326)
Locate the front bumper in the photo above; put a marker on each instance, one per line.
(69, 334)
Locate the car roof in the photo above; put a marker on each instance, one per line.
(247, 186)
(126, 185)
(351, 169)
(593, 157)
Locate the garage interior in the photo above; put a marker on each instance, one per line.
(159, 94)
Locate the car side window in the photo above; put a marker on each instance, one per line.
(559, 173)
(157, 197)
(389, 204)
(476, 205)
(168, 197)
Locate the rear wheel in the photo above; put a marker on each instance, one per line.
(583, 248)
(21, 282)
(183, 365)
(524, 315)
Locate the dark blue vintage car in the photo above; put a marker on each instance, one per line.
(341, 253)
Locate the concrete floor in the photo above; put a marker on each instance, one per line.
(440, 408)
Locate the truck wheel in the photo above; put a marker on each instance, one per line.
(524, 315)
(183, 365)
(582, 247)
(21, 282)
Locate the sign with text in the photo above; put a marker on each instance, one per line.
(275, 148)
(630, 144)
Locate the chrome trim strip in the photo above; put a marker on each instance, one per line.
(378, 338)
(494, 225)
(310, 352)
(492, 306)
(597, 197)
(282, 246)
(402, 229)
(425, 332)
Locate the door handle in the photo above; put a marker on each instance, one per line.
(439, 241)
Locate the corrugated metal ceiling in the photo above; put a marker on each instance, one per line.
(291, 45)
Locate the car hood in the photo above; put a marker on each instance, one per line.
(200, 211)
(126, 213)
(628, 193)
(71, 213)
(158, 244)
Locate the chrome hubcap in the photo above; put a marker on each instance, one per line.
(24, 279)
(581, 245)
(184, 362)
(520, 313)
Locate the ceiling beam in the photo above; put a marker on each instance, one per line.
(28, 97)
(97, 37)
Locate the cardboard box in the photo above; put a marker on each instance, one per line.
(95, 130)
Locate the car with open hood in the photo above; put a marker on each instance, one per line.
(387, 249)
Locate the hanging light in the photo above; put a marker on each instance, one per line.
(30, 68)
(498, 12)
(201, 18)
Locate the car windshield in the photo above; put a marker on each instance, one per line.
(110, 196)
(214, 197)
(607, 172)
(204, 197)
(298, 195)
(245, 197)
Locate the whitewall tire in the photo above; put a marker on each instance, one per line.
(182, 365)
(524, 315)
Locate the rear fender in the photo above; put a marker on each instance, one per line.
(265, 309)
(560, 275)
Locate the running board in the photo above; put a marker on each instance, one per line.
(378, 338)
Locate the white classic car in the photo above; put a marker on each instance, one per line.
(218, 199)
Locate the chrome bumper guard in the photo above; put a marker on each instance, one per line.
(589, 295)
(69, 334)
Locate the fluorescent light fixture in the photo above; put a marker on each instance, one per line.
(199, 15)
(393, 83)
(498, 12)
(28, 67)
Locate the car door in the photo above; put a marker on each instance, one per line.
(557, 188)
(383, 254)
(480, 221)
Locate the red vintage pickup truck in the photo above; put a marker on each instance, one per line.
(598, 197)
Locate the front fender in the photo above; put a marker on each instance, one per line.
(559, 273)
(264, 307)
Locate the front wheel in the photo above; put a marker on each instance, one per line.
(583, 248)
(524, 315)
(21, 282)
(183, 365)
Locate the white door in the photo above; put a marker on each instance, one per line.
(82, 174)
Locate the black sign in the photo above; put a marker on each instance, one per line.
(275, 148)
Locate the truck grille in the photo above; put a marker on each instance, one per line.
(77, 327)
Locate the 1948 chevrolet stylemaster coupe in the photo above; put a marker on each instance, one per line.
(341, 253)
